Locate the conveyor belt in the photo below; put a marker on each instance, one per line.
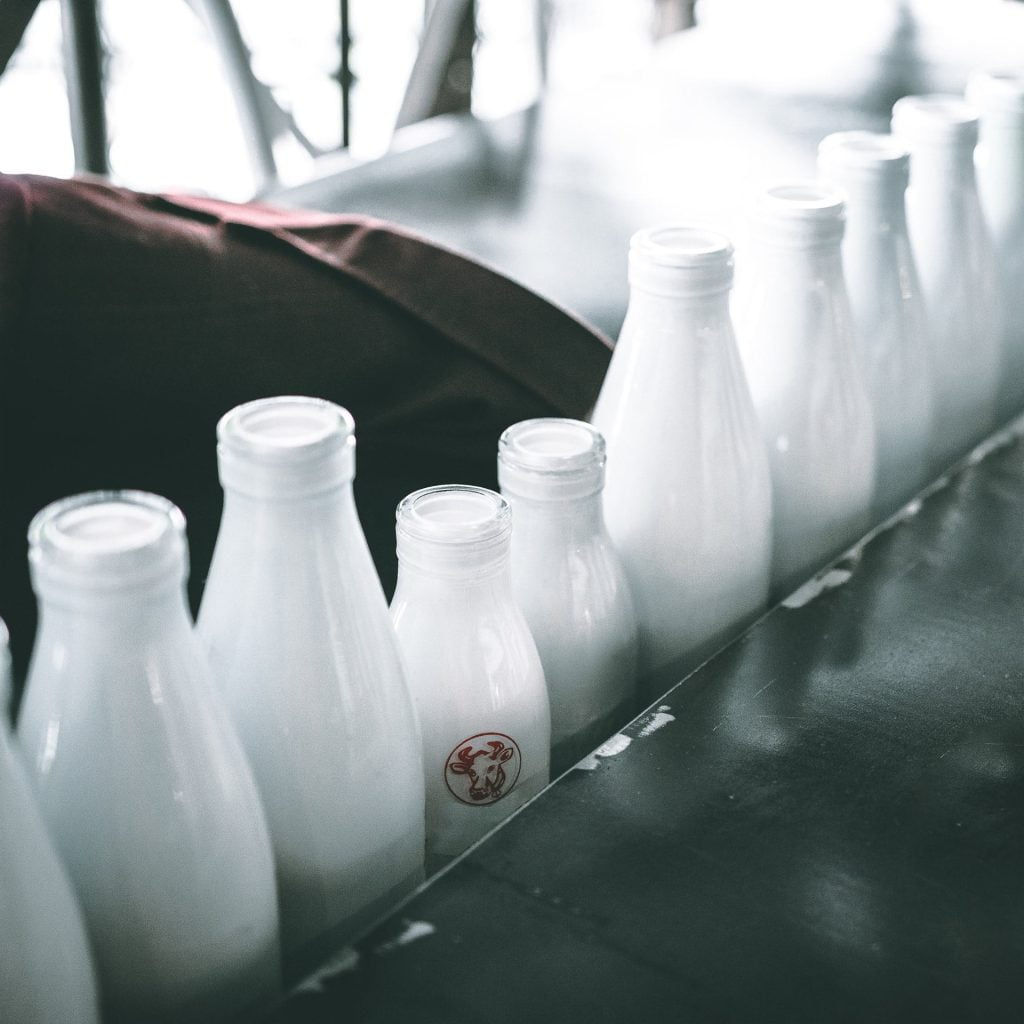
(824, 822)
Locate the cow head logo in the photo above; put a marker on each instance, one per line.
(483, 768)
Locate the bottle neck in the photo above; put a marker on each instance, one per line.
(572, 518)
(661, 308)
(874, 201)
(942, 167)
(424, 572)
(134, 613)
(313, 513)
(820, 258)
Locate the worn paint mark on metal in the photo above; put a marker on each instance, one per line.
(413, 930)
(616, 745)
(346, 960)
(656, 721)
(824, 581)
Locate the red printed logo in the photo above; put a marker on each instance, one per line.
(482, 769)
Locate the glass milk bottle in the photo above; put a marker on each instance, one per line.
(46, 972)
(797, 340)
(999, 167)
(569, 581)
(137, 770)
(473, 667)
(888, 309)
(956, 264)
(687, 498)
(297, 630)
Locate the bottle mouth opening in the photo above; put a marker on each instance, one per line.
(996, 92)
(286, 448)
(552, 445)
(109, 536)
(937, 117)
(863, 149)
(286, 428)
(455, 515)
(804, 200)
(681, 245)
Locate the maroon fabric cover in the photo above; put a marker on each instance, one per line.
(130, 323)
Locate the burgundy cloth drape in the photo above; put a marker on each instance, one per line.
(130, 323)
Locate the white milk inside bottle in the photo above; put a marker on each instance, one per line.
(999, 168)
(888, 308)
(569, 581)
(475, 673)
(796, 336)
(138, 772)
(688, 496)
(46, 972)
(956, 264)
(303, 650)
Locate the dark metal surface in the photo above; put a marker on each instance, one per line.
(830, 825)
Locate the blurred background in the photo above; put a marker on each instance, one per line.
(512, 130)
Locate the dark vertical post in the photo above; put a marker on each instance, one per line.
(83, 67)
(345, 76)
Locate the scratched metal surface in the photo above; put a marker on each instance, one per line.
(825, 822)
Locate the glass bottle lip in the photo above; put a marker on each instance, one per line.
(941, 119)
(862, 153)
(453, 528)
(996, 92)
(680, 258)
(107, 540)
(800, 212)
(289, 446)
(551, 458)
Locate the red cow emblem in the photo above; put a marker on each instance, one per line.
(483, 768)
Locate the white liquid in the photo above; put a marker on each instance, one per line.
(797, 340)
(46, 971)
(141, 778)
(298, 634)
(569, 582)
(687, 496)
(475, 675)
(999, 164)
(888, 309)
(956, 264)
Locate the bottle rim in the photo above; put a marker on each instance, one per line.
(286, 447)
(935, 118)
(802, 201)
(996, 92)
(871, 151)
(799, 213)
(551, 458)
(108, 538)
(552, 445)
(285, 428)
(454, 515)
(680, 260)
(681, 244)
